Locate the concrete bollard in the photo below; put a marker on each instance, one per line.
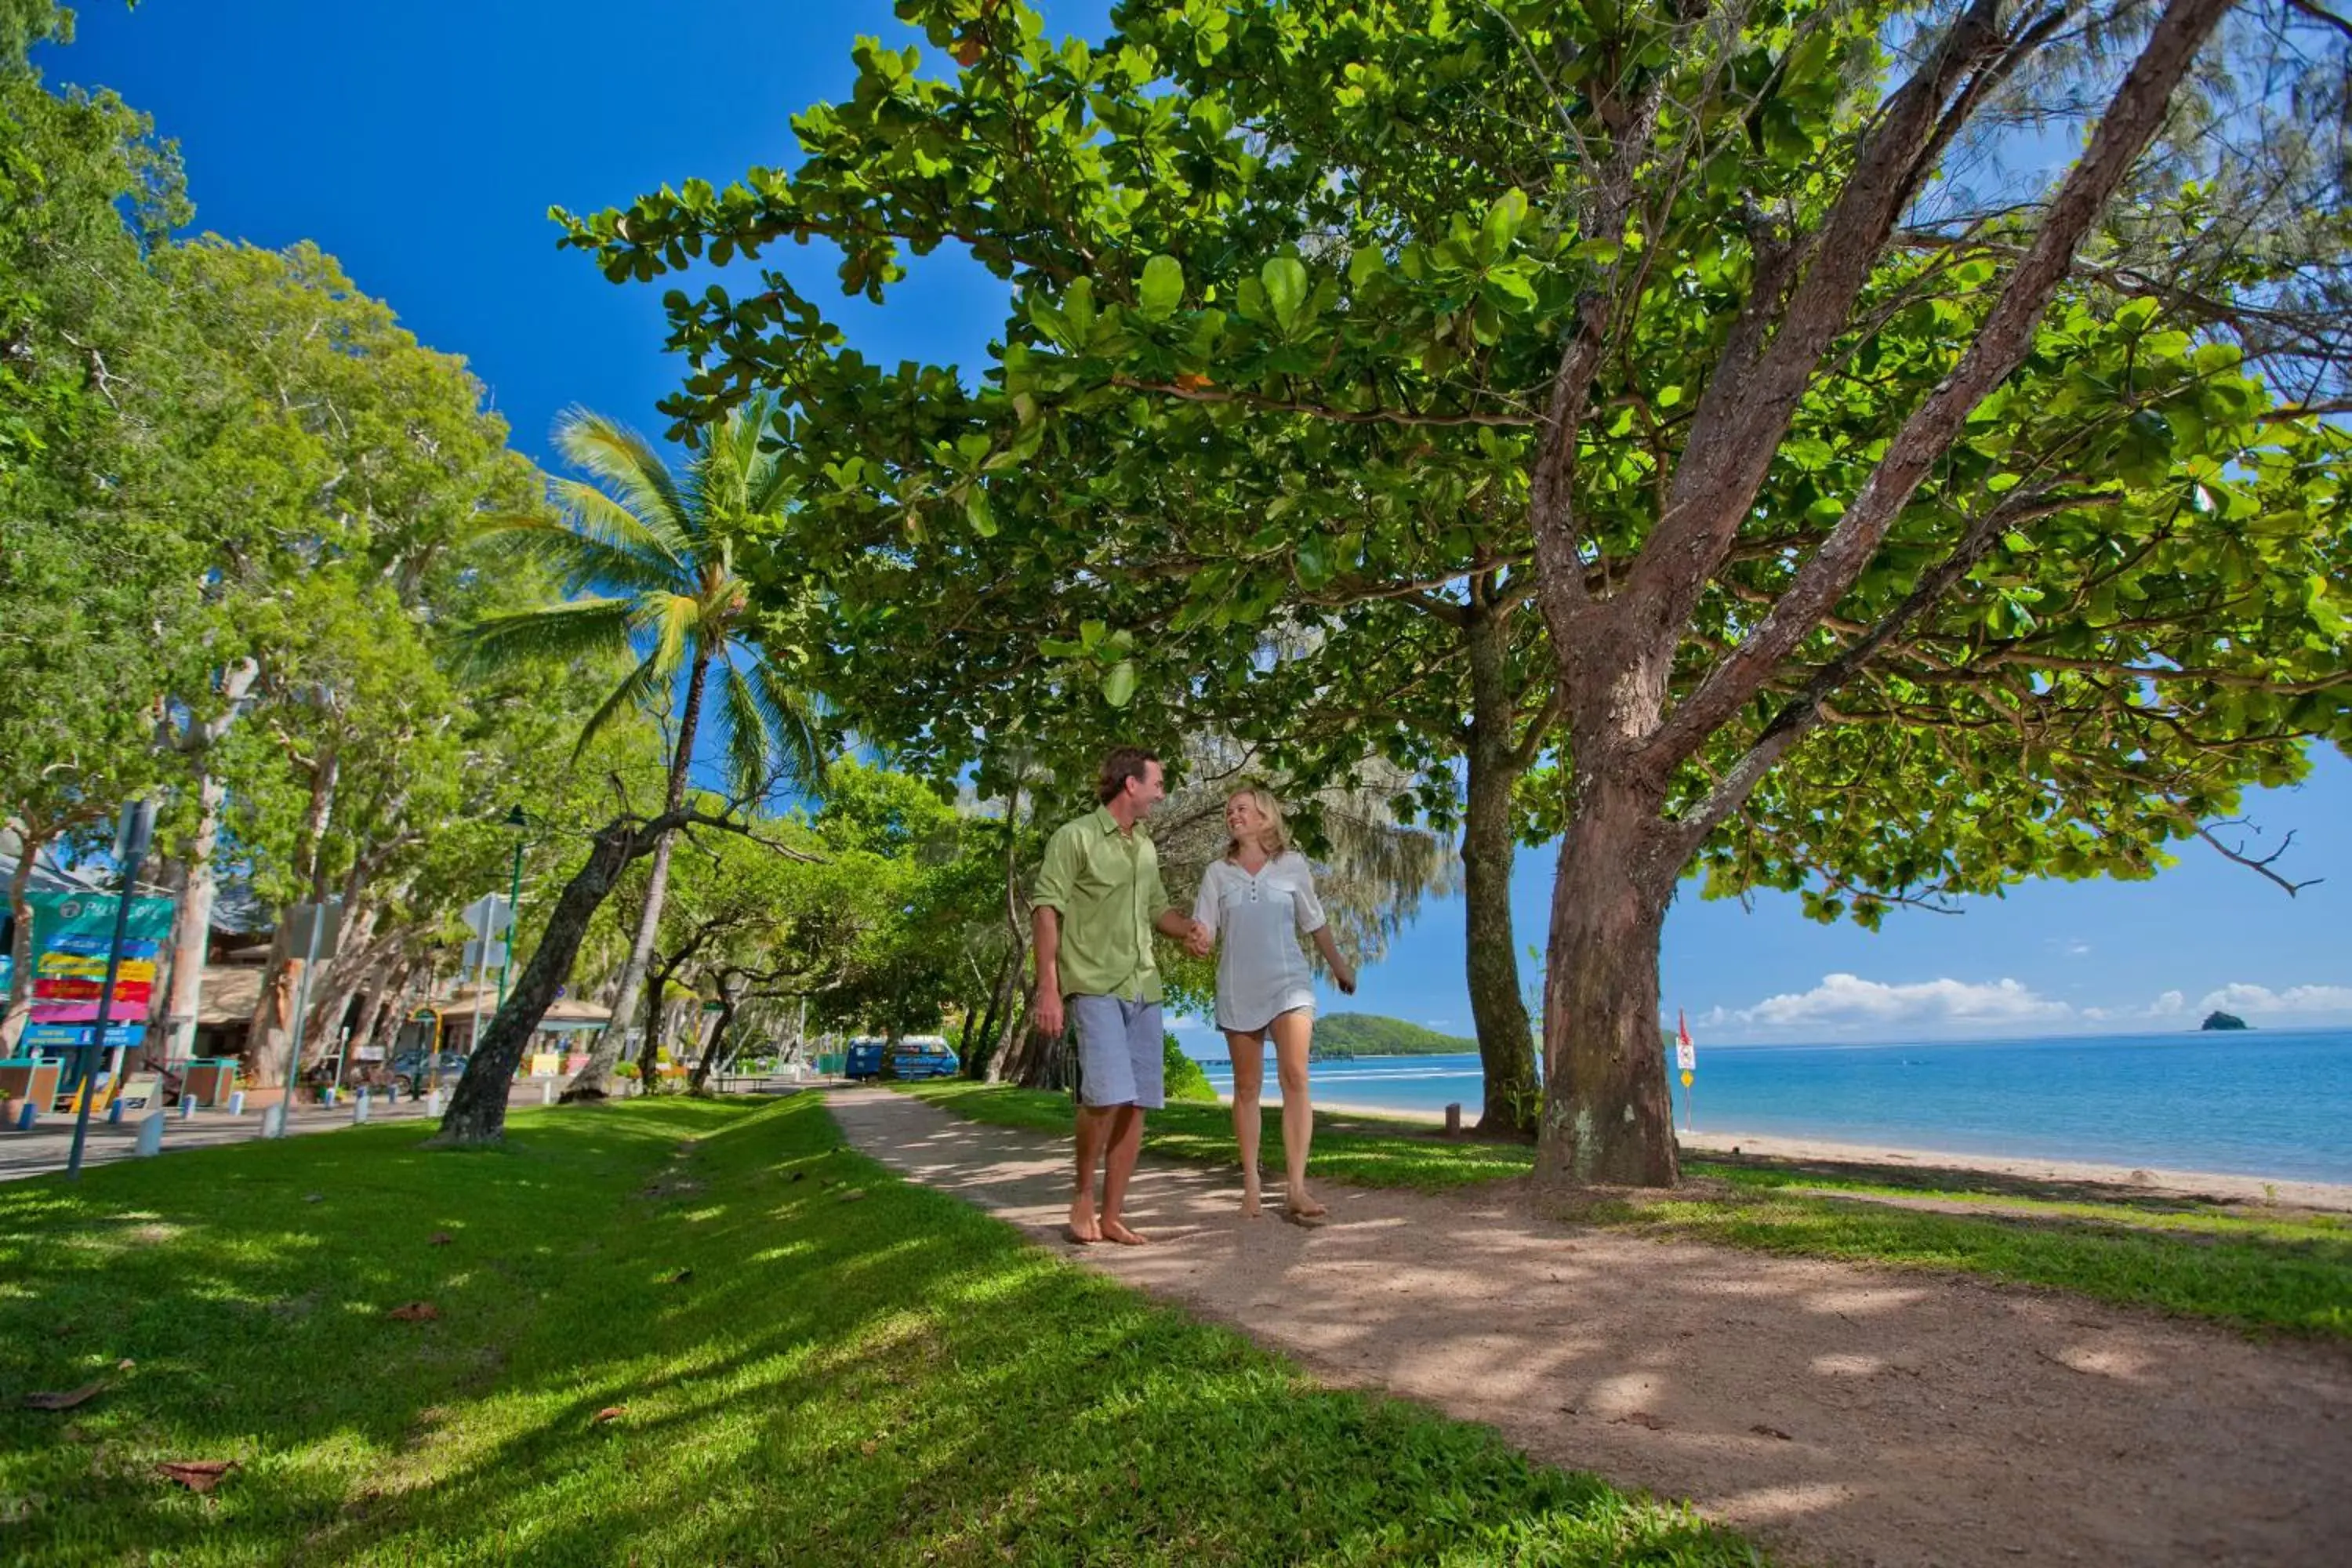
(1454, 1120)
(327, 1097)
(359, 1108)
(187, 1105)
(236, 1103)
(26, 1114)
(115, 1112)
(547, 1092)
(433, 1103)
(273, 1120)
(150, 1134)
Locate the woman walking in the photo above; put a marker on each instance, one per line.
(1257, 900)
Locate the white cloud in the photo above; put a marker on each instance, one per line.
(1850, 1002)
(2259, 999)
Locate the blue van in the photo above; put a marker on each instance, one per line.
(920, 1056)
(865, 1058)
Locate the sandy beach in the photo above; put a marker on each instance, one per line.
(2140, 1180)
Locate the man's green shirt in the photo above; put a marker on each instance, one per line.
(1106, 886)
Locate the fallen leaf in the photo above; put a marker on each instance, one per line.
(415, 1312)
(1640, 1418)
(1763, 1431)
(66, 1401)
(196, 1475)
(314, 1198)
(853, 1194)
(610, 1412)
(867, 1447)
(125, 1364)
(681, 1277)
(441, 1238)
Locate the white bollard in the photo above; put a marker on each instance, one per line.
(150, 1134)
(187, 1105)
(273, 1120)
(236, 1103)
(547, 1092)
(359, 1108)
(433, 1103)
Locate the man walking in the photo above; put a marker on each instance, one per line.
(1098, 899)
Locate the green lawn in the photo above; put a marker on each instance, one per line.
(808, 1361)
(2289, 1271)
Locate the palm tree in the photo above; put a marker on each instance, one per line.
(647, 558)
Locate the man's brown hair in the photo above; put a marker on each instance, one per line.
(1122, 763)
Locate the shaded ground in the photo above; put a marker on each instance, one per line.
(1845, 1415)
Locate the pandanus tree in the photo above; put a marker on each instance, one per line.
(647, 558)
(1899, 525)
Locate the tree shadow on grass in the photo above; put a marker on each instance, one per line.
(809, 1361)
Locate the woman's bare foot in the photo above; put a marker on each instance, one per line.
(1250, 1201)
(1083, 1228)
(1303, 1207)
(1112, 1230)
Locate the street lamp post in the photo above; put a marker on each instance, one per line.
(131, 843)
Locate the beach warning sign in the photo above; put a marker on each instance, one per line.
(1685, 1054)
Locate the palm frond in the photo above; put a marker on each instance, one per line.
(675, 619)
(626, 461)
(576, 559)
(591, 514)
(573, 629)
(793, 720)
(636, 690)
(747, 735)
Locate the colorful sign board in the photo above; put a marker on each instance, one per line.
(73, 933)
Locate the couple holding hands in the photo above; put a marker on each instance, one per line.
(1098, 901)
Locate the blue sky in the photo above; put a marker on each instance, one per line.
(422, 143)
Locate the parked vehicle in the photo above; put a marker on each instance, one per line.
(864, 1059)
(921, 1057)
(442, 1068)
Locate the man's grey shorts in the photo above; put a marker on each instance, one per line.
(1119, 1060)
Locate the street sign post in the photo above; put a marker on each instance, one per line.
(486, 917)
(315, 929)
(130, 841)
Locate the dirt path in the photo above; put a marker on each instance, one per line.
(1840, 1415)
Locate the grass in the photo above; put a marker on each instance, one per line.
(2284, 1271)
(803, 1358)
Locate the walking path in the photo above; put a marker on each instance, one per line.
(1840, 1415)
(44, 1149)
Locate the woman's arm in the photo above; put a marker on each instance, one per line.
(1340, 972)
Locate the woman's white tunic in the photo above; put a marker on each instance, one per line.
(1261, 972)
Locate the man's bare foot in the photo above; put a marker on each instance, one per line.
(1084, 1230)
(1112, 1230)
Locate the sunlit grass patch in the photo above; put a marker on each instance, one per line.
(762, 1371)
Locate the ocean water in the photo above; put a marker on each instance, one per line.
(2267, 1102)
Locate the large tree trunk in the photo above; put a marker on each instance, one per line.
(996, 1054)
(20, 968)
(593, 1080)
(1489, 847)
(192, 917)
(477, 1110)
(1607, 1117)
(270, 1034)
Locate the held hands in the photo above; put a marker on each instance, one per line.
(1199, 940)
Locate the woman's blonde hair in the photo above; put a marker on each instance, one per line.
(1275, 833)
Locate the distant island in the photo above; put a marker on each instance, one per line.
(2220, 1020)
(1343, 1035)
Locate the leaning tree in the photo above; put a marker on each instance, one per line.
(2003, 507)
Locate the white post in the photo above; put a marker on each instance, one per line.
(150, 1134)
(359, 1108)
(236, 1103)
(432, 1104)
